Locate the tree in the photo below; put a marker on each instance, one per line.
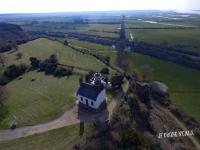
(53, 59)
(66, 42)
(19, 55)
(60, 72)
(116, 81)
(34, 62)
(89, 76)
(50, 68)
(42, 65)
(13, 71)
(105, 71)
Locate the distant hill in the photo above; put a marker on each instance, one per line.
(11, 35)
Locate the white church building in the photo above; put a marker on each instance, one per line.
(92, 96)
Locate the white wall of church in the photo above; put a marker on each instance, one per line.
(101, 97)
(83, 100)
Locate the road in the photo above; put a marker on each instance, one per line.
(68, 118)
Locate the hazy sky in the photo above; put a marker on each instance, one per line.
(32, 6)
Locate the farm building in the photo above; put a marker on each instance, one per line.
(92, 96)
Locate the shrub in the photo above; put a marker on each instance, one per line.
(42, 65)
(89, 76)
(130, 138)
(66, 43)
(34, 62)
(60, 71)
(53, 59)
(13, 71)
(50, 68)
(19, 55)
(105, 71)
(117, 80)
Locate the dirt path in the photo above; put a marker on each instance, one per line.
(68, 118)
(181, 125)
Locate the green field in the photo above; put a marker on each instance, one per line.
(39, 101)
(186, 39)
(58, 139)
(178, 78)
(102, 49)
(43, 48)
(184, 83)
(47, 97)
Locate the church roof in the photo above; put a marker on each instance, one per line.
(89, 91)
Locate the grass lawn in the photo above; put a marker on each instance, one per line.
(39, 101)
(47, 97)
(187, 38)
(178, 78)
(58, 139)
(43, 48)
(102, 49)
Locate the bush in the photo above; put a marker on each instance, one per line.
(89, 76)
(60, 71)
(13, 71)
(50, 68)
(42, 65)
(66, 43)
(53, 59)
(131, 138)
(19, 55)
(34, 62)
(117, 80)
(105, 71)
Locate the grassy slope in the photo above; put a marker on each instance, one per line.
(106, 50)
(178, 78)
(39, 101)
(42, 100)
(58, 139)
(43, 48)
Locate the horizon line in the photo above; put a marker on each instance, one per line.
(90, 11)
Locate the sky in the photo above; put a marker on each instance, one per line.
(43, 6)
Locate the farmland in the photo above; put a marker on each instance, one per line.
(184, 83)
(179, 31)
(36, 98)
(186, 39)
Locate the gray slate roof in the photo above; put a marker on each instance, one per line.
(89, 91)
